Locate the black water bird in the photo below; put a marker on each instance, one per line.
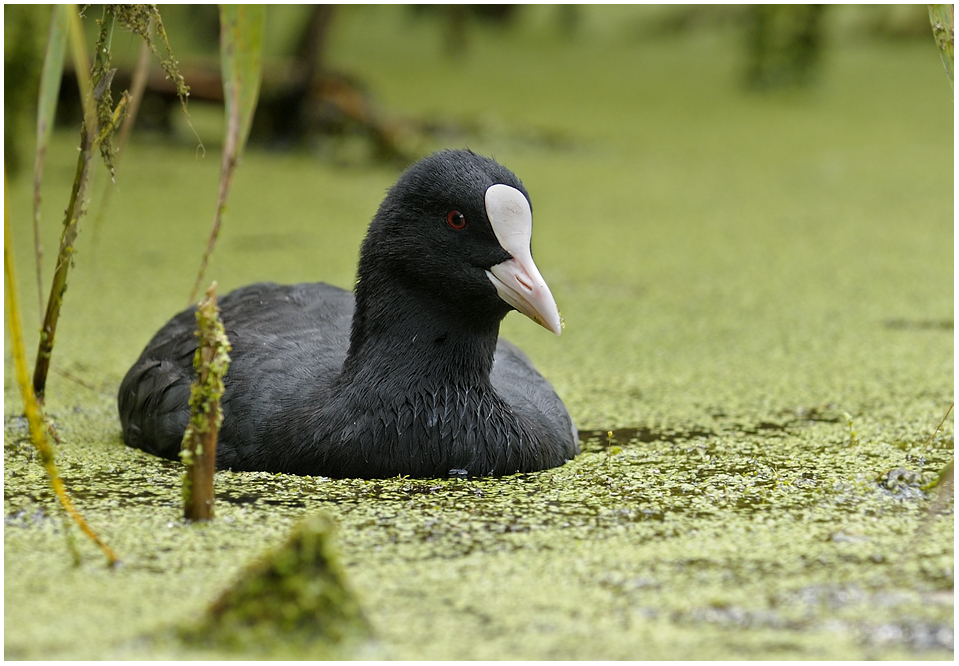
(409, 377)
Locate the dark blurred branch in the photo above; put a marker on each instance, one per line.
(310, 53)
(785, 44)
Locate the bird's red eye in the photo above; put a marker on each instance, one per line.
(456, 219)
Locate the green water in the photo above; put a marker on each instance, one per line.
(740, 277)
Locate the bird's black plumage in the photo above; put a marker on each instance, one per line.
(406, 378)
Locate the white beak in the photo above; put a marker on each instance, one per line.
(517, 280)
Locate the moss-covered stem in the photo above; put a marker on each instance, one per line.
(35, 418)
(199, 441)
(141, 20)
(137, 87)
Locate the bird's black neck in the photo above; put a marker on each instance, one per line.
(397, 334)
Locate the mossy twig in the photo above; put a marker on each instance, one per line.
(142, 20)
(199, 441)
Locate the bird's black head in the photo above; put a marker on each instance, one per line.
(452, 235)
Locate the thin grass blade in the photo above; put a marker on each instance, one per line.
(50, 78)
(75, 206)
(35, 419)
(241, 47)
(81, 65)
(943, 29)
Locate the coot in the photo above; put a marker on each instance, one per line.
(407, 377)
